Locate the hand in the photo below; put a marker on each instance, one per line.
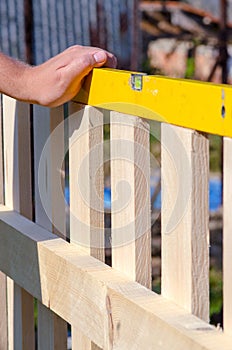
(60, 78)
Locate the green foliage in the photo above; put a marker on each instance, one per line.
(215, 291)
(190, 68)
(35, 313)
(106, 131)
(156, 285)
(215, 153)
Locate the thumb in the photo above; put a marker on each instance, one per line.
(79, 68)
(93, 60)
(100, 58)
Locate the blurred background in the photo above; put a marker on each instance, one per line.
(38, 29)
(189, 39)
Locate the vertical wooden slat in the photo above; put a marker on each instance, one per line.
(57, 171)
(14, 334)
(3, 278)
(185, 240)
(52, 330)
(26, 209)
(27, 320)
(130, 196)
(24, 156)
(227, 238)
(41, 126)
(86, 189)
(18, 196)
(10, 140)
(3, 311)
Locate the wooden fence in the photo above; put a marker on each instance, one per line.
(111, 307)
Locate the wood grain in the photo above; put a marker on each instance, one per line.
(185, 217)
(46, 120)
(130, 195)
(227, 240)
(10, 140)
(107, 307)
(57, 171)
(23, 111)
(18, 195)
(86, 189)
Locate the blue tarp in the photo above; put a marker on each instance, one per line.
(215, 196)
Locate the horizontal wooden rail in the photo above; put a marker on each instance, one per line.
(201, 106)
(113, 311)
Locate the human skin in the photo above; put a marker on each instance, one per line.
(55, 81)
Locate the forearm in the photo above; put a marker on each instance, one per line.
(14, 78)
(54, 82)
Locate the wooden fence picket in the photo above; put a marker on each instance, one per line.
(23, 111)
(227, 241)
(130, 197)
(16, 125)
(86, 190)
(185, 237)
(52, 330)
(58, 171)
(8, 129)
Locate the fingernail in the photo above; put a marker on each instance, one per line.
(100, 56)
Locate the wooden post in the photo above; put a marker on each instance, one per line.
(185, 240)
(130, 196)
(86, 190)
(52, 330)
(227, 239)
